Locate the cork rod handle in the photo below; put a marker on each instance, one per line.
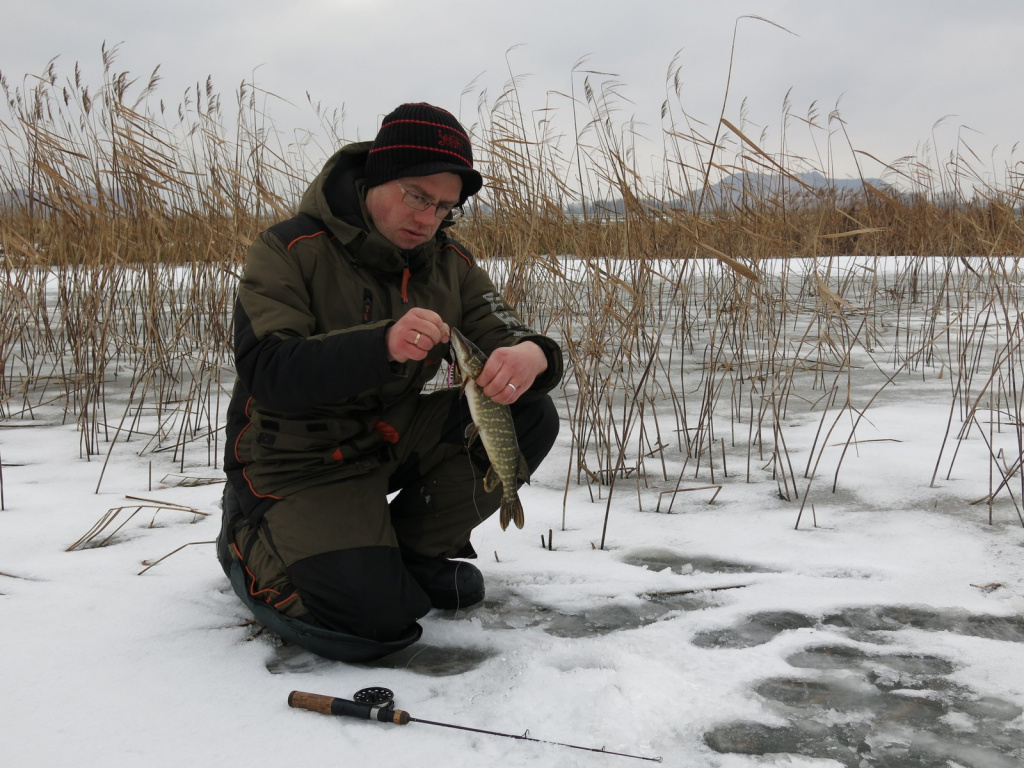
(330, 705)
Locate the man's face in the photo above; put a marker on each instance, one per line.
(405, 226)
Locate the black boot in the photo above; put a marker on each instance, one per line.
(448, 583)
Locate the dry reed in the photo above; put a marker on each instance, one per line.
(700, 308)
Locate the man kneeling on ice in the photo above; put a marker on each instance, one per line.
(344, 313)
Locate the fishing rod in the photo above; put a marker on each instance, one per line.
(378, 704)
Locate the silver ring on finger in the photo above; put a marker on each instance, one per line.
(416, 341)
(513, 387)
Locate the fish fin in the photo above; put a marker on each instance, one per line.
(471, 434)
(523, 474)
(491, 480)
(512, 510)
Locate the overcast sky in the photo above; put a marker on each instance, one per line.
(895, 68)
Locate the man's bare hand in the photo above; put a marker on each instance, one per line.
(510, 371)
(414, 334)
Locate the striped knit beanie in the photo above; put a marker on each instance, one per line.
(421, 140)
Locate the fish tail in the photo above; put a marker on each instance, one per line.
(512, 511)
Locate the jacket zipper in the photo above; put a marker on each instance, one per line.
(367, 305)
(406, 274)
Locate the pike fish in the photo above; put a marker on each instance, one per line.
(492, 423)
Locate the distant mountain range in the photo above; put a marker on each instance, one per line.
(733, 189)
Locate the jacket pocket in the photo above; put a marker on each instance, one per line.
(314, 445)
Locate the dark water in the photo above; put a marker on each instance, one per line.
(658, 560)
(866, 707)
(514, 612)
(756, 629)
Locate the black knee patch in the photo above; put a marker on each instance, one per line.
(331, 644)
(365, 591)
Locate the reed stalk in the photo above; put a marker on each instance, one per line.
(703, 309)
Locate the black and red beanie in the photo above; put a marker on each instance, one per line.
(421, 140)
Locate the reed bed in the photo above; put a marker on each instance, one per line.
(702, 308)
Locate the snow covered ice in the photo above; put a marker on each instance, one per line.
(886, 630)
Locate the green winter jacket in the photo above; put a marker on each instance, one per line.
(315, 398)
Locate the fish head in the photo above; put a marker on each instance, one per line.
(468, 356)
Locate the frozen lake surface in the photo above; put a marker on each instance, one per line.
(886, 629)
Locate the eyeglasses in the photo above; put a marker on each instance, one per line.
(420, 202)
